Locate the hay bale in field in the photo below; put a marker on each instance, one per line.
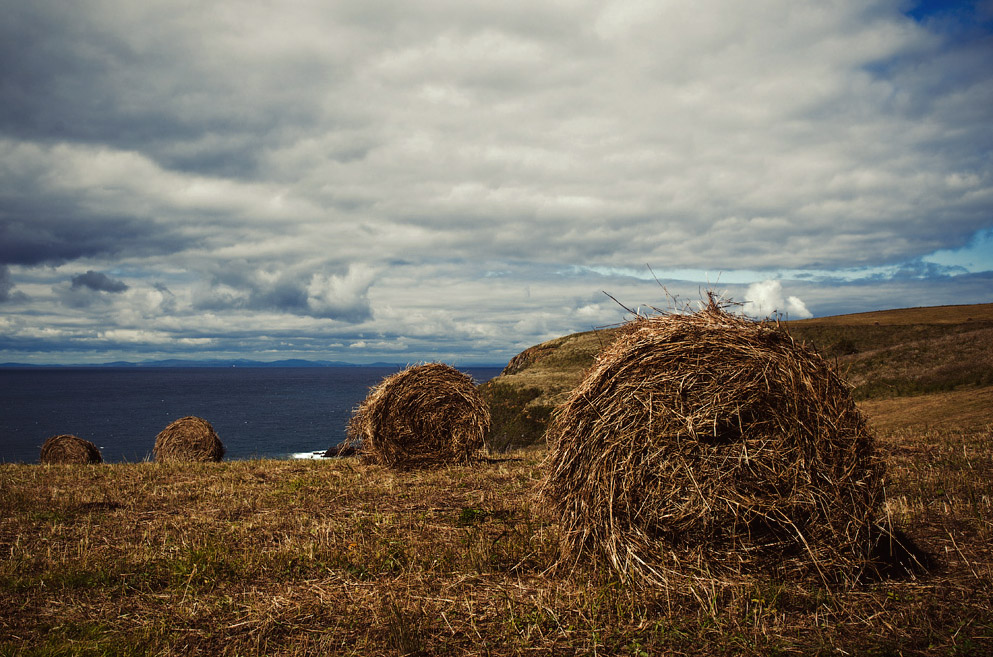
(340, 451)
(708, 445)
(424, 415)
(190, 439)
(67, 448)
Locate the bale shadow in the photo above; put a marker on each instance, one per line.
(895, 555)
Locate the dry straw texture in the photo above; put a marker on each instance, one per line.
(188, 439)
(424, 415)
(69, 449)
(709, 446)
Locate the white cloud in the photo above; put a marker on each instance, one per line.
(151, 337)
(345, 297)
(766, 299)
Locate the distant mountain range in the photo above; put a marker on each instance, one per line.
(241, 362)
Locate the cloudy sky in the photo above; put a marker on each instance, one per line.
(371, 180)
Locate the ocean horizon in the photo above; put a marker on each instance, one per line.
(258, 412)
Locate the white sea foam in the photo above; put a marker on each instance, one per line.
(308, 455)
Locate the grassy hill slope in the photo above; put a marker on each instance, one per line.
(883, 355)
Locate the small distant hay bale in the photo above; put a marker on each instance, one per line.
(68, 448)
(188, 439)
(706, 446)
(427, 414)
(340, 451)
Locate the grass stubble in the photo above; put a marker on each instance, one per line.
(339, 557)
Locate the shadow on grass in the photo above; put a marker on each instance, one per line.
(895, 555)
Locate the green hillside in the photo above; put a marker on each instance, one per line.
(883, 355)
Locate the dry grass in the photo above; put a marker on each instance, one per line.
(929, 364)
(956, 314)
(968, 410)
(427, 414)
(338, 557)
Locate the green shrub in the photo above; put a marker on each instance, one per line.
(514, 423)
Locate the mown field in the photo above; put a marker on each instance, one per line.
(310, 558)
(338, 557)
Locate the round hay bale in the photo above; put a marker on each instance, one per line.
(424, 415)
(68, 448)
(708, 445)
(189, 439)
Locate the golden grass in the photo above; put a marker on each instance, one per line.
(969, 410)
(954, 314)
(929, 364)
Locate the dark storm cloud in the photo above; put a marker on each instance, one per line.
(65, 78)
(57, 205)
(90, 289)
(6, 285)
(34, 237)
(86, 72)
(245, 286)
(283, 295)
(98, 282)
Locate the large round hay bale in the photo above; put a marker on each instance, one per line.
(190, 439)
(424, 415)
(708, 445)
(67, 448)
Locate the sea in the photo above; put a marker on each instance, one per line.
(261, 412)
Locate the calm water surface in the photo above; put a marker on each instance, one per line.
(257, 412)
